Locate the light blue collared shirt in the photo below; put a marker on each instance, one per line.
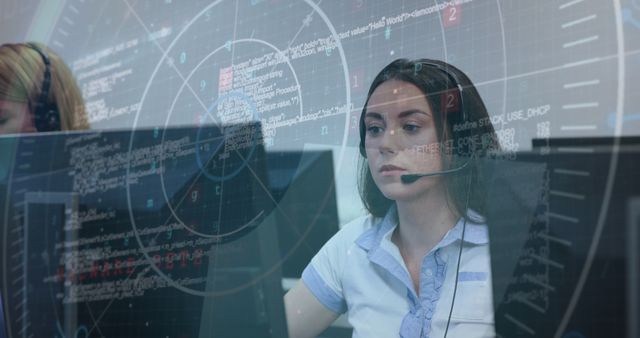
(360, 271)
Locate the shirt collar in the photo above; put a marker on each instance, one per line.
(476, 231)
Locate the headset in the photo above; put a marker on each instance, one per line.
(411, 178)
(45, 116)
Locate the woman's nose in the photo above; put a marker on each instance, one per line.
(389, 142)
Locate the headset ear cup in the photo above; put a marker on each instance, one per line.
(53, 120)
(47, 120)
(46, 117)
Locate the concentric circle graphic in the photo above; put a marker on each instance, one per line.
(209, 143)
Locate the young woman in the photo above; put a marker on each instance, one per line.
(418, 265)
(29, 102)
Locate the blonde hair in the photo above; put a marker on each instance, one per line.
(21, 76)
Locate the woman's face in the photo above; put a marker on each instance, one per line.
(15, 118)
(401, 138)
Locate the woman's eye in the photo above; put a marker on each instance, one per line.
(374, 130)
(411, 127)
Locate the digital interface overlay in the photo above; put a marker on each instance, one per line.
(545, 69)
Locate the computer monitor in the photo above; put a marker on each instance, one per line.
(633, 266)
(559, 238)
(6, 157)
(307, 213)
(141, 233)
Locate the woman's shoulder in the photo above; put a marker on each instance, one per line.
(353, 229)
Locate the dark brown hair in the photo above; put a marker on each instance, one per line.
(466, 129)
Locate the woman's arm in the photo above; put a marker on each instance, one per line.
(306, 316)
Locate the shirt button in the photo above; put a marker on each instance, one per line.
(429, 273)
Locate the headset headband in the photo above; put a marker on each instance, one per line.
(45, 117)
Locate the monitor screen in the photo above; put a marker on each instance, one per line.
(143, 233)
(558, 251)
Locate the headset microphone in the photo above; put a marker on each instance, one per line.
(410, 178)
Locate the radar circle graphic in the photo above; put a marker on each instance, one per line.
(208, 189)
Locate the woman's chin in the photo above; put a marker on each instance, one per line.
(400, 192)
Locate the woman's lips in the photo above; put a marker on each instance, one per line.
(391, 170)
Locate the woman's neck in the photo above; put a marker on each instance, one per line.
(423, 222)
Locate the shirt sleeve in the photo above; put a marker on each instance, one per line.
(323, 276)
